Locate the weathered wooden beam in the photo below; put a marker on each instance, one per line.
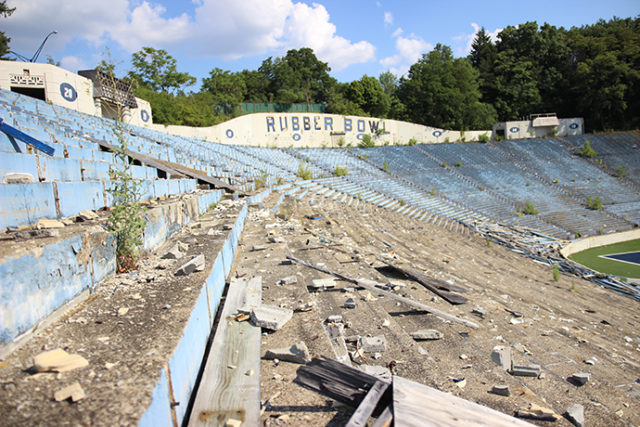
(373, 286)
(230, 384)
(368, 405)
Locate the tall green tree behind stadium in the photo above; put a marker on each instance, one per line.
(5, 12)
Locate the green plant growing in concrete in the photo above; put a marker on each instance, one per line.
(556, 272)
(483, 138)
(367, 141)
(386, 167)
(303, 171)
(594, 204)
(339, 171)
(587, 151)
(402, 202)
(621, 172)
(126, 221)
(487, 241)
(412, 141)
(529, 209)
(458, 163)
(380, 131)
(341, 142)
(444, 164)
(262, 181)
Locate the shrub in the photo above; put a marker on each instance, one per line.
(303, 172)
(380, 131)
(556, 272)
(587, 151)
(340, 171)
(367, 141)
(444, 164)
(341, 142)
(594, 203)
(621, 172)
(412, 141)
(530, 209)
(262, 181)
(483, 138)
(386, 167)
(458, 163)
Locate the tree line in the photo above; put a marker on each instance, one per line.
(591, 71)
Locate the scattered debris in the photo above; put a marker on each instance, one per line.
(479, 311)
(427, 335)
(270, 317)
(275, 239)
(323, 283)
(74, 391)
(196, 264)
(525, 370)
(591, 361)
(335, 318)
(122, 311)
(372, 344)
(173, 253)
(501, 390)
(575, 414)
(580, 378)
(18, 178)
(377, 371)
(256, 248)
(502, 357)
(350, 303)
(49, 223)
(304, 307)
(289, 280)
(297, 353)
(58, 360)
(537, 412)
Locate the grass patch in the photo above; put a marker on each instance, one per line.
(591, 258)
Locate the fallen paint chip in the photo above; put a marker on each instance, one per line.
(196, 264)
(58, 360)
(427, 335)
(297, 353)
(270, 317)
(74, 391)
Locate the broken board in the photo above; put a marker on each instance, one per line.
(418, 405)
(230, 385)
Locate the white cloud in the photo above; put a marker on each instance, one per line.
(397, 32)
(217, 28)
(73, 63)
(410, 50)
(466, 40)
(388, 18)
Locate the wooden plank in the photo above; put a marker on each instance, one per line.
(421, 406)
(385, 419)
(230, 384)
(437, 286)
(375, 287)
(367, 406)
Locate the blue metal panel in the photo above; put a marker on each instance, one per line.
(22, 204)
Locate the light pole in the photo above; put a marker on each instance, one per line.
(35, 55)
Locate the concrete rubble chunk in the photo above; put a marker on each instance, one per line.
(276, 239)
(377, 371)
(501, 356)
(479, 311)
(372, 344)
(323, 283)
(289, 280)
(575, 414)
(297, 353)
(49, 223)
(525, 370)
(195, 264)
(580, 378)
(501, 390)
(270, 317)
(350, 303)
(427, 335)
(537, 412)
(58, 360)
(335, 318)
(74, 391)
(173, 253)
(18, 178)
(87, 215)
(256, 248)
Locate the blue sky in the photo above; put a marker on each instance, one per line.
(355, 37)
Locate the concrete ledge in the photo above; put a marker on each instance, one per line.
(38, 279)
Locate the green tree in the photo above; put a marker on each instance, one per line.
(257, 86)
(368, 94)
(226, 88)
(157, 70)
(483, 58)
(389, 82)
(442, 91)
(5, 12)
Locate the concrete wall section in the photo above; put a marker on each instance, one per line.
(595, 241)
(22, 204)
(523, 129)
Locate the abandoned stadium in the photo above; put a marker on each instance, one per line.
(440, 271)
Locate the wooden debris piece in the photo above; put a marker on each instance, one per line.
(537, 412)
(385, 419)
(58, 360)
(375, 287)
(368, 405)
(74, 391)
(416, 405)
(437, 286)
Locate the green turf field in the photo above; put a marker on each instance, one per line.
(591, 258)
